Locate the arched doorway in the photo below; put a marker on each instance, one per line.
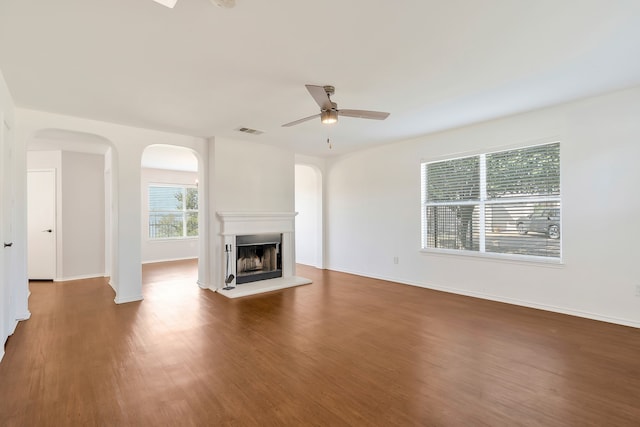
(309, 221)
(80, 165)
(170, 206)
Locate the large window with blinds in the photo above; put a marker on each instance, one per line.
(505, 202)
(173, 211)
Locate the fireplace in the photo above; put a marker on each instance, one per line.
(258, 253)
(258, 257)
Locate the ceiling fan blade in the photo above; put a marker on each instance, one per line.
(320, 96)
(364, 114)
(168, 3)
(286, 125)
(224, 3)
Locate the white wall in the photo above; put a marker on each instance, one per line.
(7, 318)
(108, 206)
(45, 159)
(374, 211)
(308, 199)
(246, 177)
(14, 288)
(83, 224)
(253, 177)
(165, 249)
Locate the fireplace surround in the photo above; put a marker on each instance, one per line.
(242, 230)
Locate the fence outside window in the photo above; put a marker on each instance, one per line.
(505, 202)
(173, 211)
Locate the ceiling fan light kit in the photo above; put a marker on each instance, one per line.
(329, 116)
(329, 110)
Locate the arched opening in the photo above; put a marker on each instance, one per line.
(309, 221)
(69, 175)
(170, 211)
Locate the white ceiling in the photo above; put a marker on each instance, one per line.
(202, 70)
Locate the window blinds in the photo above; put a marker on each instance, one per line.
(505, 202)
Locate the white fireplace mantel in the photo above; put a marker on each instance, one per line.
(239, 223)
(242, 223)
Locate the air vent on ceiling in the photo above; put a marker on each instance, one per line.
(250, 131)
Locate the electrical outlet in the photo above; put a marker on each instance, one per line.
(396, 260)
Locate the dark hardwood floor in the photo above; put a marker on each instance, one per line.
(344, 351)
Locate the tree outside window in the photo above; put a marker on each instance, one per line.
(173, 211)
(505, 202)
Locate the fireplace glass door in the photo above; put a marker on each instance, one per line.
(258, 257)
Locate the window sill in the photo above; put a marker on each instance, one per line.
(503, 258)
(172, 239)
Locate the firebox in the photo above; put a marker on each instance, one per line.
(258, 257)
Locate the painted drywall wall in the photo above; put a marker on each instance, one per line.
(308, 199)
(245, 177)
(82, 198)
(108, 203)
(374, 211)
(253, 177)
(7, 272)
(14, 290)
(164, 249)
(319, 166)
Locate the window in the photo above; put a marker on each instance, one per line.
(505, 202)
(173, 211)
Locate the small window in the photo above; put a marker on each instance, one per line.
(505, 202)
(173, 211)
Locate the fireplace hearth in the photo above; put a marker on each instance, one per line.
(258, 257)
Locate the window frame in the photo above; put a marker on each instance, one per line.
(482, 202)
(184, 212)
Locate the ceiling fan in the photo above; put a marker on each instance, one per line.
(222, 3)
(329, 110)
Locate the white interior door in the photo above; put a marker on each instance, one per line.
(41, 221)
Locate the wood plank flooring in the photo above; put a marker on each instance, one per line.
(344, 351)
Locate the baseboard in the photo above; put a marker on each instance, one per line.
(512, 301)
(12, 328)
(81, 277)
(168, 260)
(24, 316)
(203, 285)
(310, 265)
(124, 300)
